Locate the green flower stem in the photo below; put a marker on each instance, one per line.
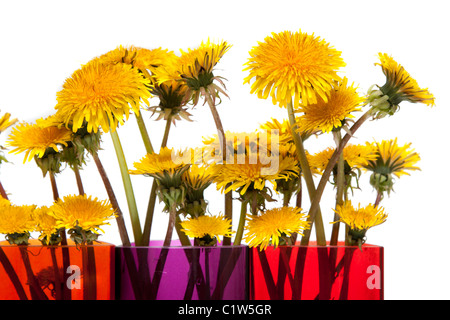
(298, 204)
(329, 168)
(166, 132)
(307, 175)
(287, 195)
(149, 216)
(223, 145)
(76, 170)
(112, 198)
(184, 239)
(128, 188)
(340, 189)
(54, 186)
(144, 133)
(3, 192)
(152, 200)
(170, 227)
(378, 199)
(228, 213)
(240, 229)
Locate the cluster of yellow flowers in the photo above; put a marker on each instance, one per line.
(298, 71)
(81, 215)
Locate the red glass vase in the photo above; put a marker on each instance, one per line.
(37, 272)
(156, 272)
(316, 273)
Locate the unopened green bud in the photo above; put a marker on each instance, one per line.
(49, 163)
(172, 197)
(382, 182)
(195, 209)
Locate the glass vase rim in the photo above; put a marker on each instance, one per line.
(34, 243)
(313, 244)
(178, 245)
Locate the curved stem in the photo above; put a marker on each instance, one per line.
(54, 186)
(76, 170)
(166, 132)
(112, 198)
(170, 227)
(184, 239)
(340, 186)
(149, 216)
(298, 204)
(144, 133)
(152, 200)
(222, 139)
(128, 188)
(378, 199)
(228, 213)
(35, 288)
(307, 175)
(240, 229)
(329, 168)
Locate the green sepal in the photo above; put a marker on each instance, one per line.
(18, 238)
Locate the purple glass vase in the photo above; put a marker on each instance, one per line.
(180, 272)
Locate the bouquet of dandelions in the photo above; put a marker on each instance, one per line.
(298, 71)
(79, 216)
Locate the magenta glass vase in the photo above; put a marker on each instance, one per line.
(316, 273)
(180, 272)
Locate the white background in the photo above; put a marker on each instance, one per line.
(43, 42)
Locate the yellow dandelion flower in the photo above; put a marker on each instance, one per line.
(202, 59)
(326, 115)
(356, 156)
(36, 140)
(274, 224)
(196, 180)
(53, 120)
(154, 163)
(293, 65)
(4, 202)
(197, 66)
(82, 211)
(140, 58)
(207, 226)
(46, 224)
(242, 176)
(167, 166)
(284, 130)
(16, 219)
(102, 95)
(393, 159)
(6, 122)
(172, 91)
(360, 219)
(400, 86)
(198, 177)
